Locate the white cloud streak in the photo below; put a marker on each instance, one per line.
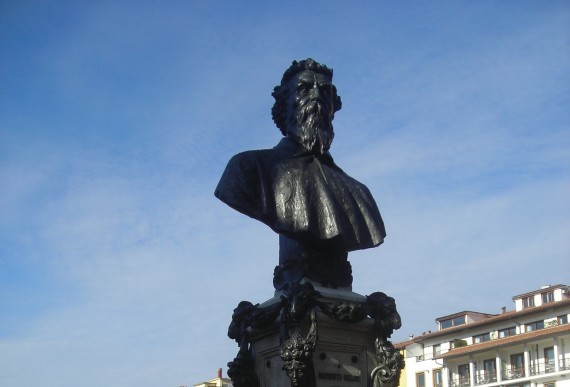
(117, 265)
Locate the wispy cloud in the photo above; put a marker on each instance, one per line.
(117, 264)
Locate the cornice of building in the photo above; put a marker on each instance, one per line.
(463, 313)
(542, 290)
(523, 337)
(491, 320)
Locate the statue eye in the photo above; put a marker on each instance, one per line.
(303, 89)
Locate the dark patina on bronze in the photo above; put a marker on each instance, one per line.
(319, 212)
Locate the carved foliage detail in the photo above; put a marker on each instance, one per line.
(297, 353)
(390, 364)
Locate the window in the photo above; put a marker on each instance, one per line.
(452, 322)
(507, 332)
(547, 297)
(535, 326)
(489, 371)
(420, 379)
(464, 376)
(436, 350)
(517, 366)
(437, 379)
(562, 319)
(528, 302)
(481, 338)
(457, 343)
(549, 359)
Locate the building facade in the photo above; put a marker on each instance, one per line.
(525, 347)
(219, 381)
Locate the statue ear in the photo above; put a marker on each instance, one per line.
(276, 91)
(278, 111)
(337, 103)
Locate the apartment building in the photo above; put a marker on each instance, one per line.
(219, 381)
(526, 347)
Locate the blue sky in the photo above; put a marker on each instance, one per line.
(118, 267)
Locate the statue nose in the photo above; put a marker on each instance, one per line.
(315, 93)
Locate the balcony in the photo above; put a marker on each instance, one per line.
(513, 373)
(485, 378)
(460, 382)
(542, 367)
(564, 364)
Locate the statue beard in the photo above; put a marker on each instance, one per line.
(311, 126)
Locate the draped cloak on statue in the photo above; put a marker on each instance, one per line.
(302, 196)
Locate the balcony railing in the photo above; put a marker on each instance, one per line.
(485, 378)
(542, 367)
(536, 368)
(513, 373)
(460, 382)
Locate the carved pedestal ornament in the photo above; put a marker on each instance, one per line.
(300, 304)
(390, 364)
(297, 353)
(320, 214)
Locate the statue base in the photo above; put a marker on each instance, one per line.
(344, 353)
(312, 336)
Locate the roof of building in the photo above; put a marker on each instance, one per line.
(492, 319)
(403, 344)
(507, 340)
(214, 382)
(541, 290)
(463, 313)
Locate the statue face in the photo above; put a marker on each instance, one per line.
(313, 86)
(310, 110)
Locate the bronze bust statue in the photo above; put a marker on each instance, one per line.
(319, 212)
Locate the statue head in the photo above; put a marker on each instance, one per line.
(305, 103)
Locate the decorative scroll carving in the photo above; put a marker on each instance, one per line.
(390, 364)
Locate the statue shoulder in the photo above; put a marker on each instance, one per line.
(248, 157)
(245, 182)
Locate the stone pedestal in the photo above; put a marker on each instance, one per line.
(319, 337)
(343, 355)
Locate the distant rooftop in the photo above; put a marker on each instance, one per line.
(531, 302)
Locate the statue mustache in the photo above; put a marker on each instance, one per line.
(315, 130)
(311, 107)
